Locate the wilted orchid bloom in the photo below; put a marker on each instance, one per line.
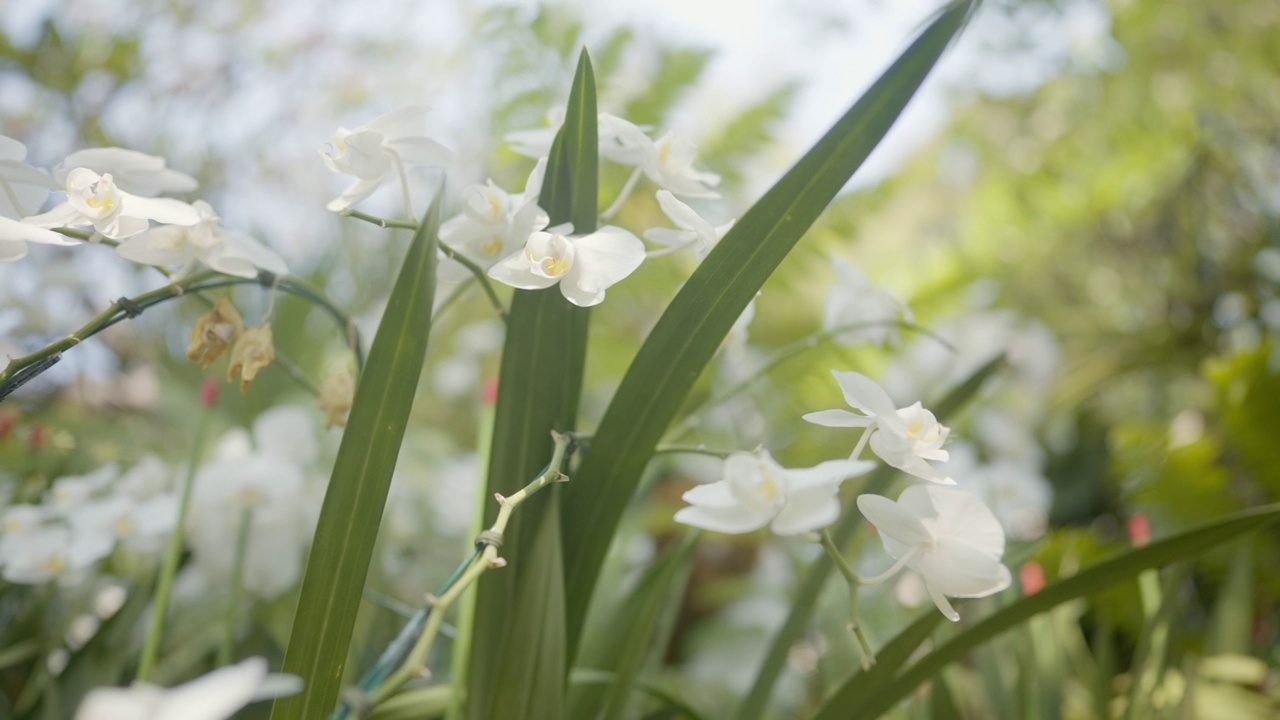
(493, 222)
(905, 438)
(694, 230)
(584, 266)
(854, 300)
(94, 199)
(23, 189)
(755, 491)
(254, 350)
(949, 537)
(214, 332)
(132, 171)
(228, 252)
(372, 152)
(215, 696)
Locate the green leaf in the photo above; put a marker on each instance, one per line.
(893, 655)
(693, 326)
(1122, 568)
(581, 677)
(419, 704)
(633, 628)
(357, 493)
(513, 670)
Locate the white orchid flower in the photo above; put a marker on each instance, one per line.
(23, 190)
(493, 222)
(755, 491)
(905, 438)
(94, 199)
(373, 152)
(694, 230)
(215, 696)
(584, 266)
(668, 161)
(132, 171)
(854, 300)
(949, 537)
(51, 552)
(536, 143)
(228, 252)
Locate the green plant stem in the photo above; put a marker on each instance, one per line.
(868, 655)
(692, 450)
(487, 560)
(22, 369)
(782, 355)
(169, 566)
(227, 648)
(449, 252)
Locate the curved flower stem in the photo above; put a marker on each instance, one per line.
(782, 355)
(487, 560)
(169, 566)
(868, 655)
(692, 450)
(623, 194)
(448, 251)
(227, 648)
(22, 369)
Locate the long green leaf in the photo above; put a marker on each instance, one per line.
(1124, 567)
(632, 629)
(357, 493)
(693, 326)
(892, 656)
(518, 657)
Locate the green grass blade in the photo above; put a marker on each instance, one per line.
(634, 626)
(693, 326)
(892, 656)
(539, 383)
(1122, 568)
(357, 493)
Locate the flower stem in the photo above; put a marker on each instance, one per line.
(169, 566)
(868, 655)
(226, 649)
(782, 355)
(448, 251)
(623, 194)
(488, 559)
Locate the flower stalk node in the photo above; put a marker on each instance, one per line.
(489, 538)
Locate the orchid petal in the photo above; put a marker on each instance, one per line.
(838, 418)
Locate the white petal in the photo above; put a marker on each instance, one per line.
(110, 703)
(533, 185)
(11, 149)
(166, 245)
(724, 520)
(712, 495)
(163, 210)
(601, 259)
(15, 230)
(862, 393)
(958, 570)
(683, 215)
(60, 216)
(247, 248)
(12, 250)
(893, 521)
(941, 601)
(120, 226)
(896, 451)
(515, 270)
(671, 238)
(838, 418)
(421, 151)
(357, 191)
(807, 510)
(401, 122)
(957, 515)
(830, 473)
(214, 696)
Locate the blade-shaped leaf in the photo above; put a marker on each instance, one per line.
(893, 655)
(633, 626)
(513, 670)
(693, 326)
(357, 493)
(1124, 567)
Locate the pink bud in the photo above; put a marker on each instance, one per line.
(489, 394)
(209, 393)
(1031, 575)
(1139, 530)
(6, 425)
(37, 437)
